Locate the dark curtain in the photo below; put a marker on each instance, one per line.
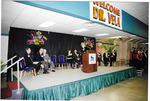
(60, 43)
(56, 44)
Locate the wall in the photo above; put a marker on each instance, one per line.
(4, 47)
(133, 25)
(123, 49)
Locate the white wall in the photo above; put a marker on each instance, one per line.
(4, 47)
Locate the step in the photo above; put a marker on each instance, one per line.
(13, 85)
(5, 93)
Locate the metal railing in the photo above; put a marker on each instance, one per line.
(17, 62)
(11, 59)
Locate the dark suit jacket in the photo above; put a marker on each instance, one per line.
(38, 57)
(84, 50)
(74, 56)
(114, 56)
(144, 57)
(28, 60)
(104, 56)
(99, 57)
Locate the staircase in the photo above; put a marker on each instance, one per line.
(11, 91)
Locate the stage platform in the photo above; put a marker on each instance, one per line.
(68, 83)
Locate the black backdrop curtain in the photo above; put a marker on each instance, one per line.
(56, 44)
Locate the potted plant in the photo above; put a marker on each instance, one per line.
(2, 67)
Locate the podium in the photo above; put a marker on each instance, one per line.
(89, 61)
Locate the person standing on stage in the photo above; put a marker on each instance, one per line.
(106, 58)
(29, 61)
(83, 47)
(69, 57)
(99, 58)
(113, 57)
(131, 58)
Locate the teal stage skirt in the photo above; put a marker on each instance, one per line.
(78, 88)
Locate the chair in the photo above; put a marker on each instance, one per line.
(140, 72)
(26, 69)
(53, 59)
(61, 60)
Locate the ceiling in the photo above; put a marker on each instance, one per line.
(19, 15)
(139, 10)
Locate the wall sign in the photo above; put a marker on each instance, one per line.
(92, 58)
(106, 13)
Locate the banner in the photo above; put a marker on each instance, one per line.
(106, 13)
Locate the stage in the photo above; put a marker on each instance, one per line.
(68, 83)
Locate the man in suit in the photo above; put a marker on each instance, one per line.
(106, 58)
(144, 57)
(39, 55)
(76, 58)
(99, 58)
(46, 62)
(113, 57)
(83, 47)
(29, 61)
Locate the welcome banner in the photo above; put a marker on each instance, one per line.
(106, 13)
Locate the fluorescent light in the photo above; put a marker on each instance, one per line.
(80, 30)
(47, 24)
(144, 43)
(104, 34)
(132, 35)
(116, 37)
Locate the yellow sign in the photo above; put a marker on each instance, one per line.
(106, 13)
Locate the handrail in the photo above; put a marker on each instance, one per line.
(11, 65)
(9, 60)
(17, 62)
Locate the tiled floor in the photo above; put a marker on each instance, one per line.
(133, 89)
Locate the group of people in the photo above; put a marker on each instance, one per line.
(138, 57)
(75, 59)
(107, 57)
(42, 61)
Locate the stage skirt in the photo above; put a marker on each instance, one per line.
(78, 88)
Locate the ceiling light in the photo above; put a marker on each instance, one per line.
(47, 24)
(116, 37)
(89, 24)
(144, 43)
(132, 35)
(80, 30)
(102, 34)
